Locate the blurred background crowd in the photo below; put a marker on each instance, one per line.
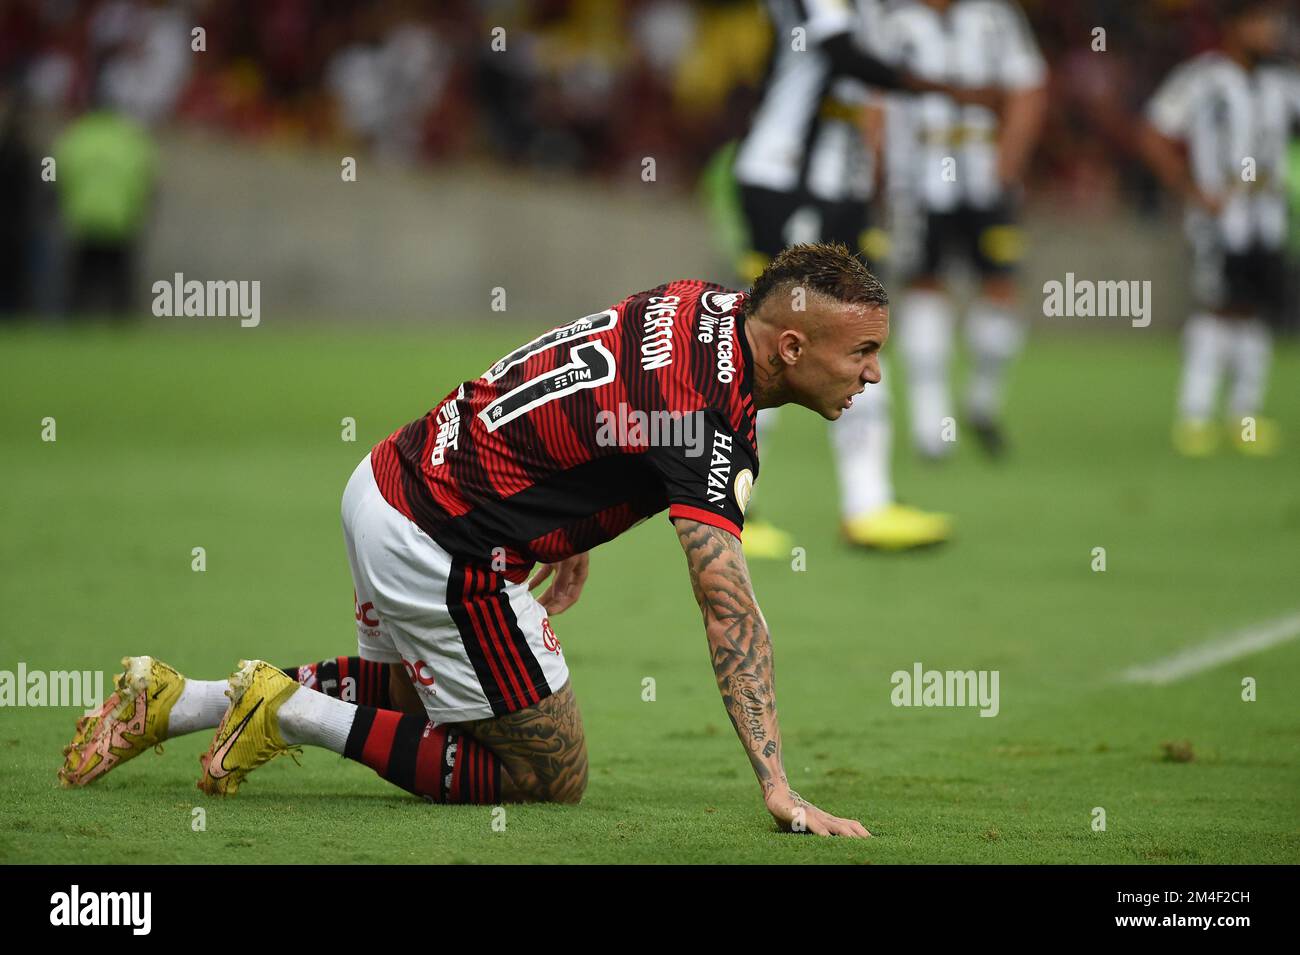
(582, 87)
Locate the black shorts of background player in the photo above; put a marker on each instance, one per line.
(779, 219)
(990, 244)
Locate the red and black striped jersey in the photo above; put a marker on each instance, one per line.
(586, 430)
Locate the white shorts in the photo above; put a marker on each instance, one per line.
(474, 644)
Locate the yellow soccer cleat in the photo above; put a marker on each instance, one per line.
(1195, 439)
(897, 527)
(249, 733)
(763, 540)
(132, 720)
(1255, 437)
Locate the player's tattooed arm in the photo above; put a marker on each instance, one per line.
(738, 643)
(742, 661)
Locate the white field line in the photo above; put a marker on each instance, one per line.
(1193, 660)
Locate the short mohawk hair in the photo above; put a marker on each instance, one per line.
(827, 268)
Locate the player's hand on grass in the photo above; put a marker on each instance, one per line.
(795, 814)
(570, 575)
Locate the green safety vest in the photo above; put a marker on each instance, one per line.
(104, 168)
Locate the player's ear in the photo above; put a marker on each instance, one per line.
(790, 346)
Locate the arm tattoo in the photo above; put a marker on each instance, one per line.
(739, 644)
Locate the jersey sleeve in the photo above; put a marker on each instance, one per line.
(1021, 66)
(826, 18)
(709, 474)
(1172, 106)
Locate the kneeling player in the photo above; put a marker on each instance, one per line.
(445, 518)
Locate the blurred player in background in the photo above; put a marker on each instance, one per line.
(958, 167)
(806, 175)
(1216, 135)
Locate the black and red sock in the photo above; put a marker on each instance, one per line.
(352, 679)
(427, 759)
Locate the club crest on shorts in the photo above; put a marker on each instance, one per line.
(549, 640)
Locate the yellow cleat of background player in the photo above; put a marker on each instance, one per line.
(898, 527)
(249, 733)
(1196, 439)
(1255, 437)
(763, 540)
(132, 720)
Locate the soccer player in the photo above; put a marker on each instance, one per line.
(1231, 110)
(563, 444)
(806, 175)
(959, 166)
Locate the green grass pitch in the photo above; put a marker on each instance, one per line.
(229, 439)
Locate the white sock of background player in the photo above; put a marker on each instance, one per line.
(1206, 345)
(925, 326)
(995, 335)
(1250, 346)
(862, 439)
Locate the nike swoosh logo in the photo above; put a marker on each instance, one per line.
(216, 765)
